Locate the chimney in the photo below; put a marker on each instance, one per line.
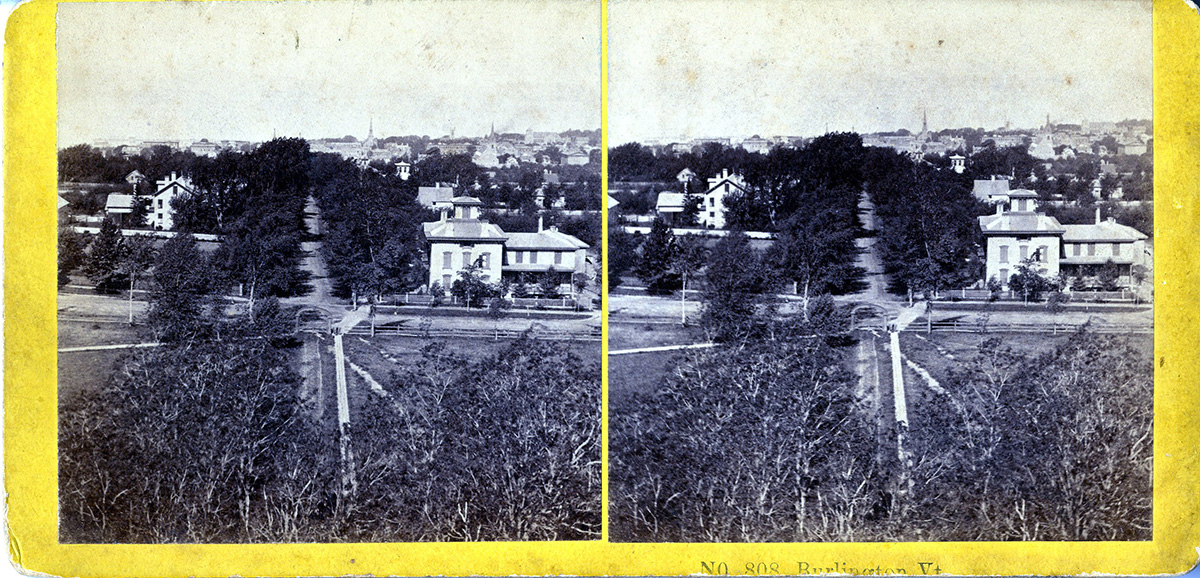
(539, 222)
(1097, 215)
(999, 208)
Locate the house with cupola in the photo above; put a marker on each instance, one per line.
(462, 238)
(1018, 233)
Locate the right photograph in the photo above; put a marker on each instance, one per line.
(880, 271)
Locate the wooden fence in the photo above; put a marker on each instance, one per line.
(956, 326)
(476, 333)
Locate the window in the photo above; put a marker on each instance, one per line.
(558, 258)
(710, 201)
(1024, 252)
(1091, 249)
(1044, 254)
(533, 257)
(1003, 253)
(446, 282)
(484, 260)
(466, 259)
(160, 203)
(1075, 249)
(446, 258)
(159, 216)
(1004, 276)
(1116, 249)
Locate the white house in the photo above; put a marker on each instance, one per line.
(548, 251)
(712, 211)
(670, 206)
(161, 211)
(1018, 232)
(462, 239)
(403, 170)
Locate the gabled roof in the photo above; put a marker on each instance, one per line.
(734, 180)
(182, 182)
(468, 230)
(669, 203)
(546, 240)
(428, 196)
(612, 202)
(118, 203)
(1103, 232)
(1022, 194)
(987, 188)
(464, 200)
(1020, 223)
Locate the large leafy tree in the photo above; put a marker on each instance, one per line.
(182, 280)
(656, 266)
(103, 264)
(737, 287)
(815, 251)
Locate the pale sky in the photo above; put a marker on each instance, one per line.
(696, 68)
(244, 70)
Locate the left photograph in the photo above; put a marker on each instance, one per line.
(329, 272)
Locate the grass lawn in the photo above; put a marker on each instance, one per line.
(636, 335)
(638, 373)
(83, 334)
(89, 370)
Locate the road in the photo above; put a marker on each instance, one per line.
(868, 259)
(314, 263)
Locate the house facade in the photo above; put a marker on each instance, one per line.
(461, 239)
(1018, 233)
(161, 212)
(712, 209)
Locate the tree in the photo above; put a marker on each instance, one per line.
(1108, 275)
(182, 279)
(658, 256)
(780, 409)
(471, 288)
(622, 255)
(548, 284)
(816, 251)
(1028, 282)
(737, 284)
(72, 253)
(103, 264)
(136, 258)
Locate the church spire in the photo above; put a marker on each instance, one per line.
(924, 121)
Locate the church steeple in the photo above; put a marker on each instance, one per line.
(924, 121)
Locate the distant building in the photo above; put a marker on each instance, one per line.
(119, 207)
(403, 170)
(757, 144)
(712, 209)
(670, 206)
(990, 190)
(166, 191)
(135, 178)
(438, 197)
(958, 163)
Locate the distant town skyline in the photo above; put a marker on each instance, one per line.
(805, 68)
(249, 71)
